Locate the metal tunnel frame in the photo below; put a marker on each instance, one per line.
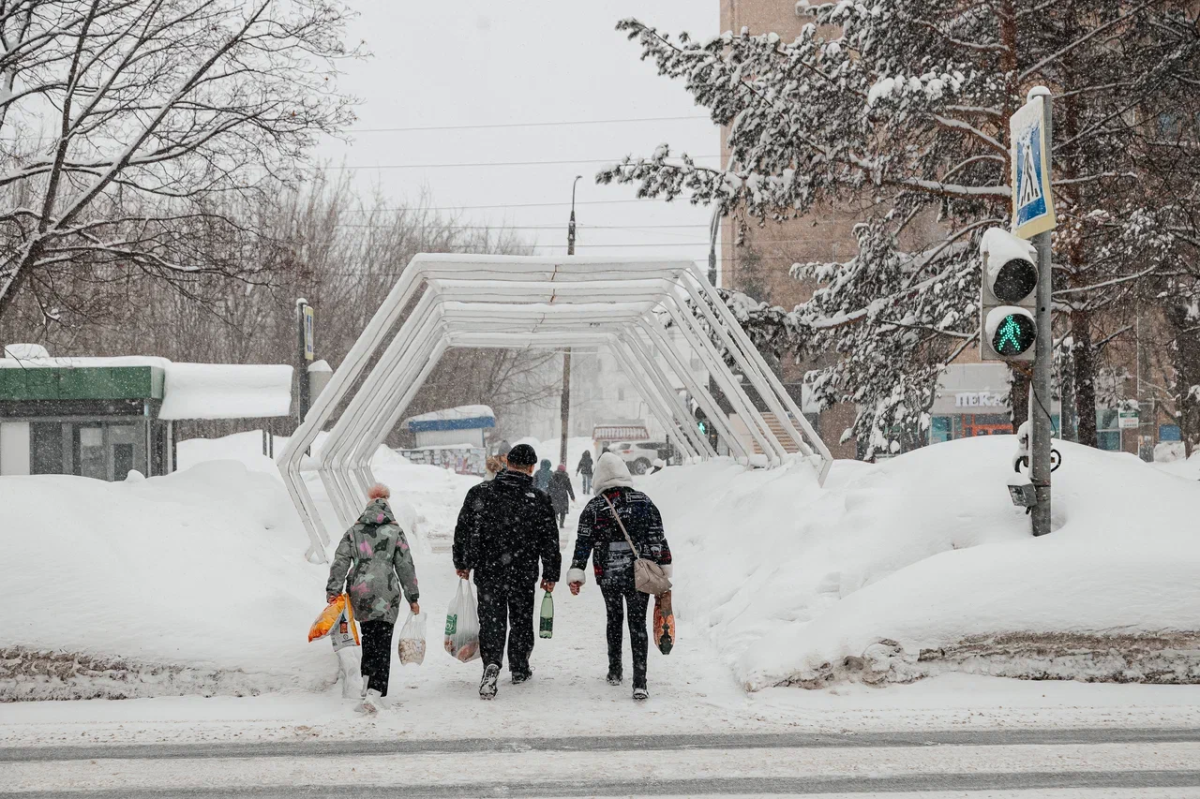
(624, 306)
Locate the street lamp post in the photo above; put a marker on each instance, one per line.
(566, 387)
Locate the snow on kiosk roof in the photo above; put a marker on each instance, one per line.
(464, 417)
(193, 390)
(622, 305)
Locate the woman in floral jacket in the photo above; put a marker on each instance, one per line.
(373, 563)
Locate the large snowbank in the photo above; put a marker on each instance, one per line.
(1188, 469)
(426, 499)
(190, 583)
(924, 555)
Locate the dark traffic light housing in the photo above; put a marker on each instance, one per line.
(1008, 297)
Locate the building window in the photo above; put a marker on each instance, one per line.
(1108, 430)
(940, 429)
(46, 448)
(122, 460)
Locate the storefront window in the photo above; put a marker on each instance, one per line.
(986, 424)
(1108, 432)
(940, 429)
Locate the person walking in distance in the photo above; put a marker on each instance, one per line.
(561, 493)
(541, 480)
(504, 529)
(600, 537)
(373, 562)
(584, 470)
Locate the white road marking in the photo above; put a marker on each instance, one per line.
(585, 768)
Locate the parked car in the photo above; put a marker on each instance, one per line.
(640, 455)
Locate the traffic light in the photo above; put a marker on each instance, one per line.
(1008, 300)
(701, 422)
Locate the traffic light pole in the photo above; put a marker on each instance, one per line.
(1042, 368)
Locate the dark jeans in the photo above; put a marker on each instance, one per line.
(587, 484)
(562, 518)
(377, 653)
(633, 603)
(506, 610)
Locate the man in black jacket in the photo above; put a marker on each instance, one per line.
(504, 528)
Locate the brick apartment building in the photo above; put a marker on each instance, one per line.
(973, 397)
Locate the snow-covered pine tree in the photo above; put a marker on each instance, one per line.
(903, 104)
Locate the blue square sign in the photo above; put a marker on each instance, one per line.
(1033, 205)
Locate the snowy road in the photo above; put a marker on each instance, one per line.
(1066, 763)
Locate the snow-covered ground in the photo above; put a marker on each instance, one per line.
(195, 584)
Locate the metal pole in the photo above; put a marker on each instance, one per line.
(566, 389)
(1043, 349)
(301, 363)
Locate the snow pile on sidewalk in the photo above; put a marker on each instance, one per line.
(245, 448)
(188, 584)
(921, 565)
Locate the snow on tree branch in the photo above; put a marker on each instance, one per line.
(118, 116)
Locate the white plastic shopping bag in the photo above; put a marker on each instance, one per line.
(462, 625)
(412, 640)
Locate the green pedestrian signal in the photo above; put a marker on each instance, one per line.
(1014, 335)
(703, 427)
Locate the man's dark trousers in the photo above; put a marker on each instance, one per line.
(506, 610)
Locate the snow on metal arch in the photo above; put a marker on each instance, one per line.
(622, 305)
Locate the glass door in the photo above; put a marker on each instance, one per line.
(123, 441)
(87, 441)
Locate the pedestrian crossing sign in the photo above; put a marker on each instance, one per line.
(1033, 205)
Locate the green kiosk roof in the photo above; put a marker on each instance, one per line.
(82, 383)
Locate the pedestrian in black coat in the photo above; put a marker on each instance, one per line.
(600, 538)
(584, 470)
(504, 529)
(561, 493)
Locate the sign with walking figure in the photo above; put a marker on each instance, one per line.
(1033, 205)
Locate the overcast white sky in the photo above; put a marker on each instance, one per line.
(516, 62)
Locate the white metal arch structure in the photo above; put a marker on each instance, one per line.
(623, 306)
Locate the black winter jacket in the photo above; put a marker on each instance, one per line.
(504, 528)
(600, 536)
(561, 492)
(585, 464)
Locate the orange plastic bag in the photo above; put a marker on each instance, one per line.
(664, 623)
(329, 617)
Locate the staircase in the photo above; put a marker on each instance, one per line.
(777, 428)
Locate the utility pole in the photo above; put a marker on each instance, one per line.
(1039, 472)
(304, 352)
(566, 387)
